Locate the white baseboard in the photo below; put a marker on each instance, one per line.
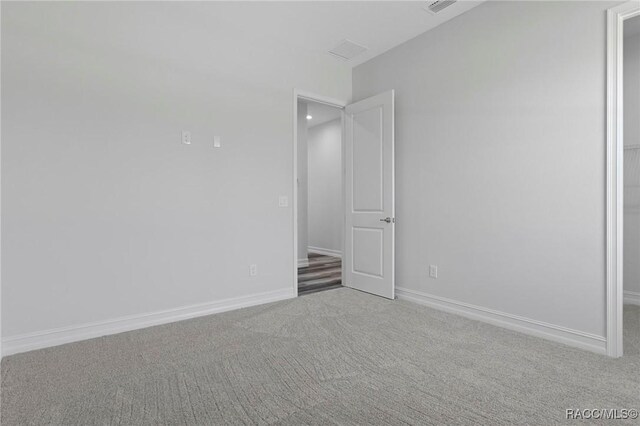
(303, 263)
(326, 252)
(631, 298)
(58, 336)
(575, 338)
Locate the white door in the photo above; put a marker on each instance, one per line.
(369, 189)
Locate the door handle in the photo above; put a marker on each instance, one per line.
(386, 219)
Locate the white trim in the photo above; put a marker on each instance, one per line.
(59, 336)
(308, 96)
(632, 298)
(0, 220)
(294, 190)
(303, 263)
(615, 155)
(323, 251)
(301, 94)
(575, 338)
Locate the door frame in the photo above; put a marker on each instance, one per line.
(308, 96)
(615, 190)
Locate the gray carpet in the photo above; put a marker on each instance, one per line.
(334, 357)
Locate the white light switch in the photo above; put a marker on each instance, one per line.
(283, 201)
(186, 137)
(217, 142)
(433, 271)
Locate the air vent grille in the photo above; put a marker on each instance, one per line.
(347, 49)
(437, 6)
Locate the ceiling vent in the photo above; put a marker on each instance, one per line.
(438, 5)
(347, 50)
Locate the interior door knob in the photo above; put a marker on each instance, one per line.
(386, 219)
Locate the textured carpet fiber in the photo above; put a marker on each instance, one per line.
(334, 357)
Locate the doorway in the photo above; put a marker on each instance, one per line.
(631, 166)
(320, 196)
(621, 162)
(366, 233)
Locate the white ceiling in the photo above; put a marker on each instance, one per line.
(321, 25)
(321, 113)
(238, 31)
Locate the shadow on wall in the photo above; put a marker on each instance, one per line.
(632, 160)
(325, 187)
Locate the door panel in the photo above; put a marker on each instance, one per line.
(367, 161)
(369, 189)
(368, 251)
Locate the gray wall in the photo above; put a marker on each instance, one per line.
(303, 182)
(105, 213)
(632, 162)
(325, 186)
(500, 159)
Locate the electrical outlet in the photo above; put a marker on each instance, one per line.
(253, 270)
(283, 201)
(186, 137)
(433, 271)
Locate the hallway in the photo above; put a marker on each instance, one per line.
(323, 273)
